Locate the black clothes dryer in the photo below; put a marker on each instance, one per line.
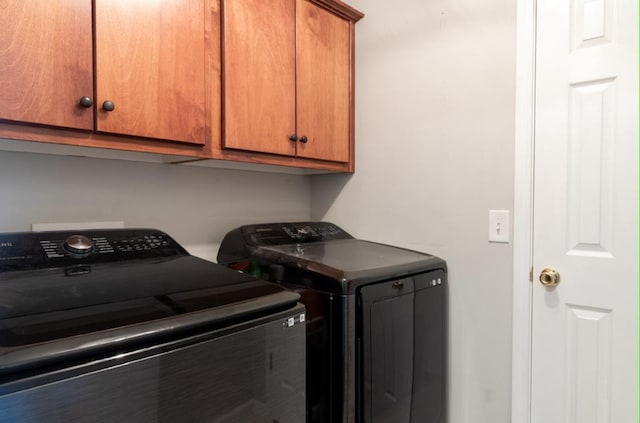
(376, 319)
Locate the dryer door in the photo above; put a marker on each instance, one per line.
(387, 351)
(403, 338)
(429, 373)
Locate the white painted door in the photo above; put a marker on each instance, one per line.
(585, 330)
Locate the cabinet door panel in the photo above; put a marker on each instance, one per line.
(259, 75)
(150, 62)
(323, 64)
(46, 63)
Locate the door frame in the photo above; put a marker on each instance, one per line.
(523, 211)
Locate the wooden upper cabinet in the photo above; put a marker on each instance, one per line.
(259, 75)
(150, 63)
(220, 79)
(323, 58)
(46, 62)
(287, 70)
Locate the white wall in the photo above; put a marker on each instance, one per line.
(197, 206)
(435, 90)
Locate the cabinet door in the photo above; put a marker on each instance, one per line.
(259, 75)
(150, 59)
(46, 62)
(323, 72)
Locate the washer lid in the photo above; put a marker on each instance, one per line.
(59, 313)
(351, 262)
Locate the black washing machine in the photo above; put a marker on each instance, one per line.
(125, 326)
(376, 319)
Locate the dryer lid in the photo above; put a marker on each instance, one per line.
(351, 262)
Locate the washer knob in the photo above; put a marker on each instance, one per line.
(78, 244)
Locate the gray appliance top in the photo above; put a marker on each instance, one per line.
(351, 262)
(319, 255)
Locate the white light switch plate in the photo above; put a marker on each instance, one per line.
(71, 226)
(499, 227)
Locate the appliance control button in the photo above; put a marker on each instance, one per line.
(78, 244)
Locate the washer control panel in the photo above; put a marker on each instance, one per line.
(33, 250)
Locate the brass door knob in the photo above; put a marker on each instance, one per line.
(549, 277)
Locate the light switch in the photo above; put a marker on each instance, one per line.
(499, 228)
